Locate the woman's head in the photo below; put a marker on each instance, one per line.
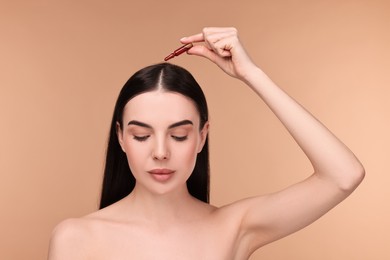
(178, 86)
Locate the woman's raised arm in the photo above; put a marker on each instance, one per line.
(337, 172)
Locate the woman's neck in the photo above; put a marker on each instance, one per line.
(162, 208)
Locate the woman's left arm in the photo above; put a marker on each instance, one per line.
(337, 172)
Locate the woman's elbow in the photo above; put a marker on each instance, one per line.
(354, 176)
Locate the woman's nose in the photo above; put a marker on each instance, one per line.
(161, 151)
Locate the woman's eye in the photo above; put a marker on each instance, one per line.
(141, 138)
(179, 138)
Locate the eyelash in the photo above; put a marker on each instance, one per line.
(145, 137)
(141, 138)
(179, 138)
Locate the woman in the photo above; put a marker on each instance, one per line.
(159, 210)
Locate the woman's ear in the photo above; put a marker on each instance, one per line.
(119, 134)
(203, 136)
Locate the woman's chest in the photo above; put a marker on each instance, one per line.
(200, 241)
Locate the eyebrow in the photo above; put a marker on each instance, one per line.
(180, 123)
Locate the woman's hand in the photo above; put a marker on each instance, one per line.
(223, 47)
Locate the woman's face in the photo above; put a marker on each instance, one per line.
(161, 139)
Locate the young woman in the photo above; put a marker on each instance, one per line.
(155, 193)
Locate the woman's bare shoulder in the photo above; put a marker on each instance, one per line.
(68, 239)
(73, 227)
(72, 237)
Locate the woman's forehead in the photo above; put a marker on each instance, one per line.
(159, 105)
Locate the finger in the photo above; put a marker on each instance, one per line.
(226, 46)
(213, 35)
(193, 38)
(203, 51)
(221, 42)
(223, 46)
(209, 30)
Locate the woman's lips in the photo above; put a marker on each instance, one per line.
(161, 171)
(161, 174)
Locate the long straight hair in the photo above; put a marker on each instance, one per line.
(118, 180)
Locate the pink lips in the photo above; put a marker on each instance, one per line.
(161, 174)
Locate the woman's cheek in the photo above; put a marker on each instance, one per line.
(135, 157)
(189, 154)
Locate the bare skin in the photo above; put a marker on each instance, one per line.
(162, 221)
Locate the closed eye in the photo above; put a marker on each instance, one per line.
(141, 138)
(179, 138)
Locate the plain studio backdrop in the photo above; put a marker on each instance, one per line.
(62, 64)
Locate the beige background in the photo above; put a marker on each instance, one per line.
(62, 64)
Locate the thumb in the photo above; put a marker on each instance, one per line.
(203, 51)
